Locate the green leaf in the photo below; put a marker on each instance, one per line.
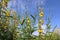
(33, 18)
(23, 22)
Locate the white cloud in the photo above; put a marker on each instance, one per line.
(36, 32)
(43, 26)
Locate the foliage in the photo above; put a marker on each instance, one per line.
(9, 29)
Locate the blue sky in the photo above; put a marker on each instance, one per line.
(51, 8)
(54, 8)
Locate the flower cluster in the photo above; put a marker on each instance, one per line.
(40, 22)
(4, 20)
(41, 14)
(28, 23)
(4, 3)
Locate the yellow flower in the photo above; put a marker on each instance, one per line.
(39, 30)
(7, 13)
(28, 27)
(3, 1)
(41, 14)
(41, 21)
(28, 20)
